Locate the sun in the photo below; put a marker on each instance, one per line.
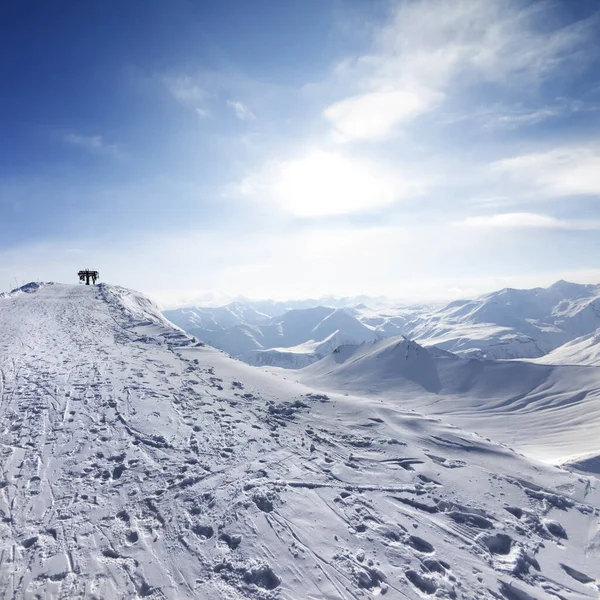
(325, 184)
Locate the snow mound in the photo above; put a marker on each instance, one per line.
(137, 463)
(377, 365)
(585, 464)
(28, 288)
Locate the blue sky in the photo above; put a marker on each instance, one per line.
(424, 149)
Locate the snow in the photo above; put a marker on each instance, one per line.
(584, 350)
(512, 323)
(276, 341)
(216, 318)
(551, 413)
(506, 324)
(137, 462)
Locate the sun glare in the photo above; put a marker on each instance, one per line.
(324, 183)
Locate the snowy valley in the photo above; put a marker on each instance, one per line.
(139, 462)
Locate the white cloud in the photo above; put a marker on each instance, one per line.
(515, 118)
(242, 112)
(185, 89)
(524, 220)
(429, 46)
(373, 115)
(93, 143)
(558, 172)
(322, 183)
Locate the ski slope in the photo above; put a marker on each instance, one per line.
(138, 463)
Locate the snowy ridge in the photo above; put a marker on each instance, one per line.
(548, 412)
(29, 288)
(512, 323)
(279, 340)
(506, 324)
(302, 355)
(216, 318)
(584, 350)
(136, 463)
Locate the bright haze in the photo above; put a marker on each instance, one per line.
(423, 150)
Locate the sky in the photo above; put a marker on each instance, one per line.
(197, 151)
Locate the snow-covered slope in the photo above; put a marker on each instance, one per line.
(217, 318)
(512, 323)
(137, 463)
(549, 412)
(506, 324)
(290, 339)
(584, 350)
(295, 357)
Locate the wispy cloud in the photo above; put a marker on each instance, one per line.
(558, 172)
(187, 91)
(524, 220)
(93, 143)
(242, 112)
(184, 89)
(431, 46)
(511, 119)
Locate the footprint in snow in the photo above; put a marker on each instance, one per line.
(578, 575)
(420, 544)
(424, 583)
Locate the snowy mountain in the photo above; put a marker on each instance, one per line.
(584, 350)
(137, 462)
(549, 412)
(512, 323)
(506, 324)
(221, 317)
(254, 312)
(295, 357)
(280, 340)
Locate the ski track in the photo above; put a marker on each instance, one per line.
(137, 463)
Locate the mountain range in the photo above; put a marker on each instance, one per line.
(506, 324)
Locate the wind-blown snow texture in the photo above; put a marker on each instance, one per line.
(138, 463)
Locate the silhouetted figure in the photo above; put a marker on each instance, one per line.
(87, 275)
